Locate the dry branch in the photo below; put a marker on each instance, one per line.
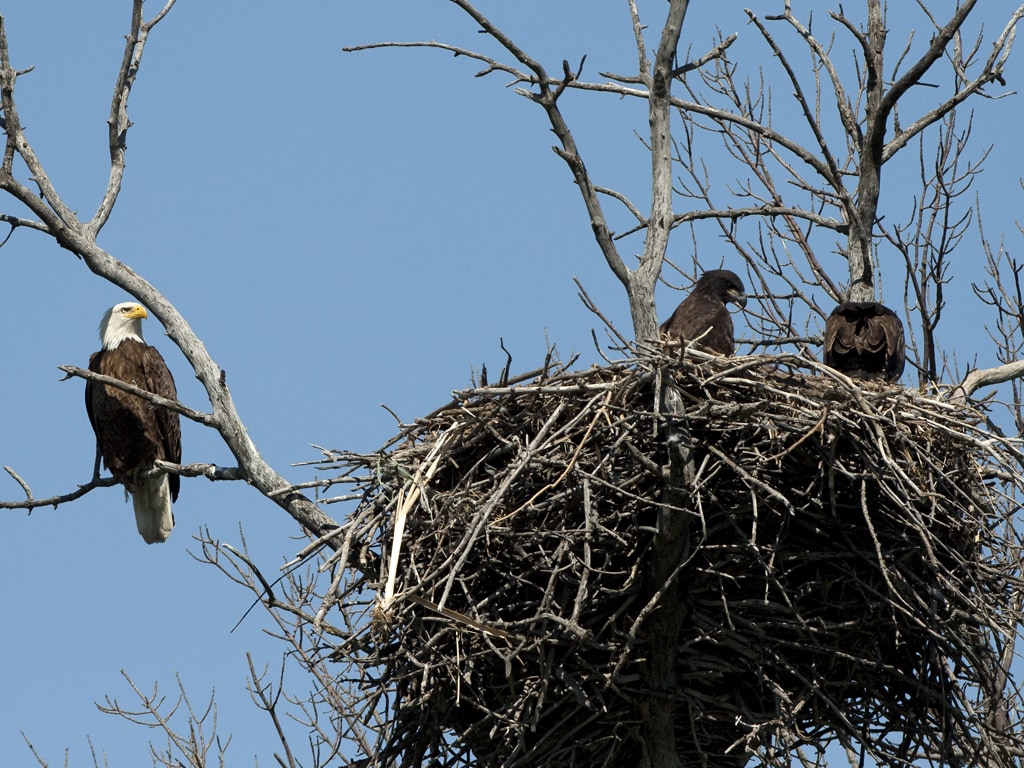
(163, 402)
(31, 502)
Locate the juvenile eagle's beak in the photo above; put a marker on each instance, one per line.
(737, 297)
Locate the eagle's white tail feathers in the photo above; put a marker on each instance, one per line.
(151, 498)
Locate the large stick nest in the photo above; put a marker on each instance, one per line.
(845, 573)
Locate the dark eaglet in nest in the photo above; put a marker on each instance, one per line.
(864, 340)
(702, 316)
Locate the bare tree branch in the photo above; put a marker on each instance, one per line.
(171, 405)
(196, 469)
(118, 122)
(209, 471)
(986, 377)
(493, 65)
(192, 743)
(991, 71)
(267, 699)
(31, 502)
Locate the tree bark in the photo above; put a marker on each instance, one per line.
(659, 710)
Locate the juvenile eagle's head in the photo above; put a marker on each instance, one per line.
(724, 285)
(120, 322)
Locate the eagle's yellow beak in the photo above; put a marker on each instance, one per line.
(138, 311)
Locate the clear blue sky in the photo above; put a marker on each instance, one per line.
(342, 230)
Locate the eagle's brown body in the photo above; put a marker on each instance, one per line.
(132, 433)
(864, 340)
(703, 316)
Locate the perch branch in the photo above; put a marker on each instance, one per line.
(171, 405)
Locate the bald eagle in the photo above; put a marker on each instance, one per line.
(132, 433)
(703, 313)
(864, 340)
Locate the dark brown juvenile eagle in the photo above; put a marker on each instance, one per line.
(132, 433)
(864, 340)
(703, 314)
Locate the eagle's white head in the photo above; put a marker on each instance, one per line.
(122, 321)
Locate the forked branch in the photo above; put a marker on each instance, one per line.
(118, 122)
